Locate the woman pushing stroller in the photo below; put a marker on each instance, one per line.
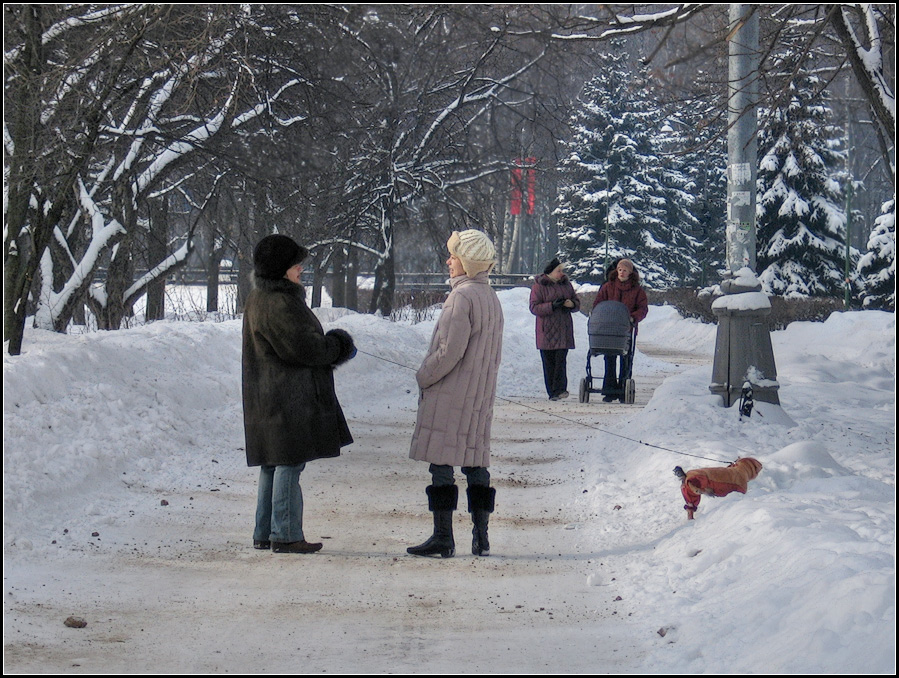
(623, 285)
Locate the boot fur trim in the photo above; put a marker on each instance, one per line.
(442, 497)
(481, 498)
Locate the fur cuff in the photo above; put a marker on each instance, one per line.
(481, 498)
(347, 348)
(442, 497)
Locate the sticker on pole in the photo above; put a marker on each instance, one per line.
(740, 173)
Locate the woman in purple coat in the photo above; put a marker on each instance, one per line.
(553, 301)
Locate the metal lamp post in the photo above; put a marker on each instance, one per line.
(744, 357)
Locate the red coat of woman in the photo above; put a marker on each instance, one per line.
(630, 293)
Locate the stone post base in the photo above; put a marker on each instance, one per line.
(743, 351)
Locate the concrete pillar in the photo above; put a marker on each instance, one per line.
(743, 351)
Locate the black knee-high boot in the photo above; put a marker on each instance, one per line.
(481, 501)
(442, 501)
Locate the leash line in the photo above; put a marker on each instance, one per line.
(559, 416)
(607, 432)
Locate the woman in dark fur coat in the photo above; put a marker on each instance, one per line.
(291, 413)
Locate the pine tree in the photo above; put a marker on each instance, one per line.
(680, 228)
(589, 176)
(801, 224)
(618, 199)
(877, 268)
(698, 143)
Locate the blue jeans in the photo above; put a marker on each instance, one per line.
(279, 504)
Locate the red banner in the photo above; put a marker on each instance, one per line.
(524, 186)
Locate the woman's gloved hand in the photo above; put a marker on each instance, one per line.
(347, 347)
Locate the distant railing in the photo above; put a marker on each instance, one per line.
(404, 281)
(425, 281)
(182, 276)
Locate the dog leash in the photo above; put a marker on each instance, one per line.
(563, 418)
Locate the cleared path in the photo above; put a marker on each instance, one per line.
(178, 588)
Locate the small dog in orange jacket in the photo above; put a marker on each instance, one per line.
(716, 482)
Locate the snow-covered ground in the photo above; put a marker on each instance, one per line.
(127, 502)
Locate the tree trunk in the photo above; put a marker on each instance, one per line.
(13, 304)
(213, 278)
(20, 261)
(385, 285)
(156, 252)
(338, 277)
(246, 243)
(352, 289)
(79, 316)
(514, 245)
(244, 284)
(389, 290)
(385, 274)
(317, 280)
(119, 276)
(213, 268)
(869, 79)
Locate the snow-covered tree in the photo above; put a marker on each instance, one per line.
(61, 68)
(801, 224)
(620, 199)
(695, 147)
(860, 35)
(865, 31)
(431, 78)
(877, 268)
(112, 108)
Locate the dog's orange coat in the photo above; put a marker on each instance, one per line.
(718, 482)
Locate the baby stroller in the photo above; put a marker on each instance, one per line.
(611, 334)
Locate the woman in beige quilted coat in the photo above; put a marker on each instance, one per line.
(457, 382)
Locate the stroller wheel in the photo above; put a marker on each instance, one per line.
(584, 395)
(630, 390)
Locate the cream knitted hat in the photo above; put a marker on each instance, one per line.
(474, 250)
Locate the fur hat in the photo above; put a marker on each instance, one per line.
(552, 266)
(274, 254)
(474, 249)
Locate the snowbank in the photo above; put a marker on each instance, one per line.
(798, 575)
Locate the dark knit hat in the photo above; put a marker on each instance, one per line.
(274, 254)
(552, 266)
